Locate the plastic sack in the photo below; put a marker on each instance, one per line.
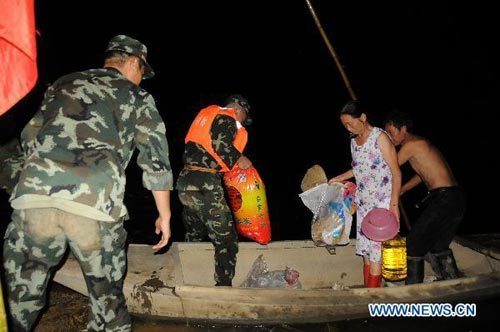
(247, 199)
(259, 276)
(332, 207)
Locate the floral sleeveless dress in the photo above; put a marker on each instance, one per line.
(374, 186)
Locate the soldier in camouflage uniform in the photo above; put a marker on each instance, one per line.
(214, 144)
(71, 188)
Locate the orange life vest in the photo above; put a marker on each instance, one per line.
(199, 132)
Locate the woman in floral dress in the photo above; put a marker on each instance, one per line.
(378, 178)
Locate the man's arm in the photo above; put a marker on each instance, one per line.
(406, 152)
(391, 158)
(222, 133)
(11, 163)
(30, 131)
(162, 224)
(153, 159)
(412, 183)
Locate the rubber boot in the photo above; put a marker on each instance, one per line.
(415, 268)
(447, 265)
(366, 273)
(374, 281)
(433, 261)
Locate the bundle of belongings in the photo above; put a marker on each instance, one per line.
(259, 276)
(332, 207)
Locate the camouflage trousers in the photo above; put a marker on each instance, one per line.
(206, 213)
(36, 241)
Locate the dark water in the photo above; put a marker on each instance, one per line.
(354, 326)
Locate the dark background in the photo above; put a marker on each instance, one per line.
(437, 62)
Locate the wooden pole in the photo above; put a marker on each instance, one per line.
(332, 51)
(346, 82)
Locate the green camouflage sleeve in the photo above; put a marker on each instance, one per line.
(28, 135)
(152, 144)
(223, 132)
(11, 167)
(11, 163)
(30, 131)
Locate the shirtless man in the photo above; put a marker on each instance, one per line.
(443, 207)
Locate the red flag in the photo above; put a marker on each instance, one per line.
(18, 71)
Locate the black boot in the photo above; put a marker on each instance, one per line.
(433, 261)
(415, 270)
(447, 265)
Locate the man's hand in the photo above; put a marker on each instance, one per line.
(162, 226)
(244, 162)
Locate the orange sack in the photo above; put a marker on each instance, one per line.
(247, 199)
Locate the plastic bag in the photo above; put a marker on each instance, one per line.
(349, 193)
(332, 207)
(260, 277)
(247, 199)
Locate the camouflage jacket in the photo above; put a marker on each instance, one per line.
(79, 143)
(222, 132)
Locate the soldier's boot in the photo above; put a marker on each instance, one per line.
(447, 265)
(223, 277)
(223, 280)
(415, 268)
(433, 261)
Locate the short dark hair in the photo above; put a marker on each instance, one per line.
(399, 119)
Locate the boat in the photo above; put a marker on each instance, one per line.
(179, 284)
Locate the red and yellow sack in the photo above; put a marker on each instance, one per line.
(247, 199)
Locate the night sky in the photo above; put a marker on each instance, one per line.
(437, 62)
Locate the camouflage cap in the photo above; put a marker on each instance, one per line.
(131, 46)
(243, 102)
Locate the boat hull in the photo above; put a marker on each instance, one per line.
(179, 284)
